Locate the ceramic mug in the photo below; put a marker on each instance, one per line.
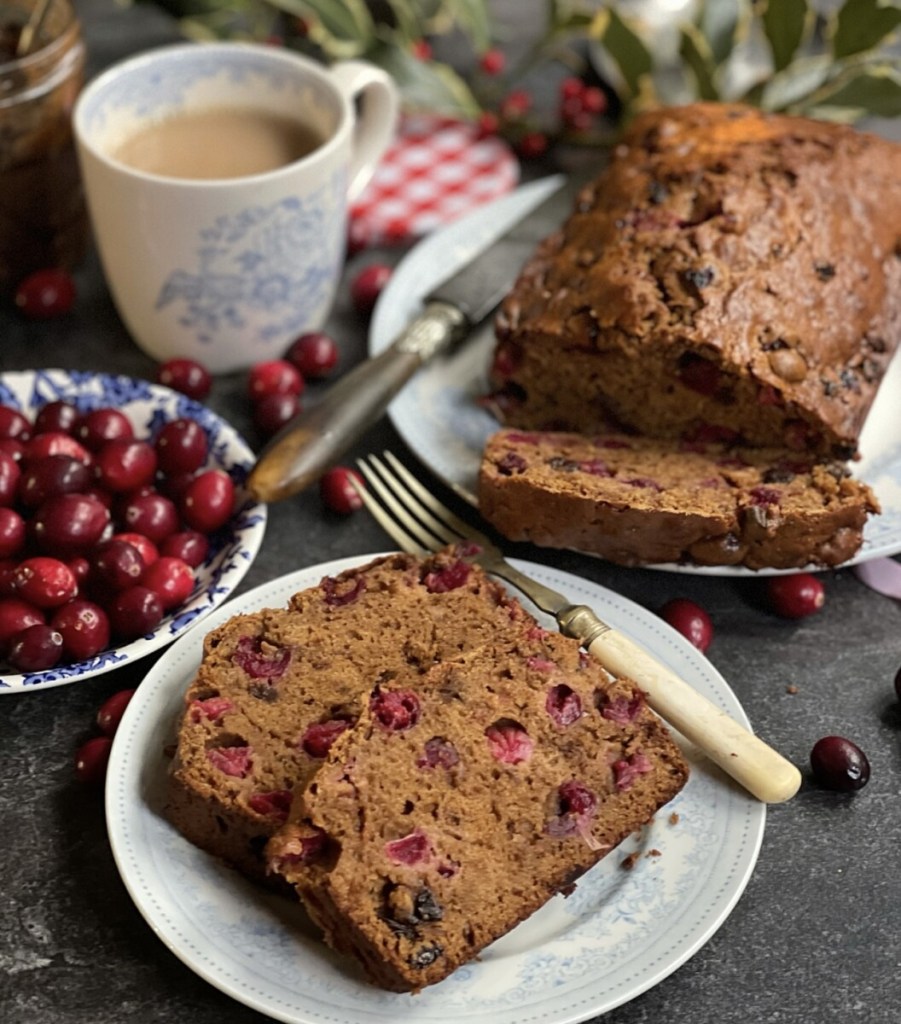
(228, 270)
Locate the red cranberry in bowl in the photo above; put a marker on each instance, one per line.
(190, 546)
(10, 474)
(126, 465)
(58, 417)
(135, 612)
(36, 648)
(171, 579)
(12, 532)
(99, 426)
(69, 524)
(181, 446)
(16, 614)
(208, 500)
(44, 582)
(84, 627)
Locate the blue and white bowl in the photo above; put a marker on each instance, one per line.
(148, 406)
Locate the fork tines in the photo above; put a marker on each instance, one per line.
(409, 512)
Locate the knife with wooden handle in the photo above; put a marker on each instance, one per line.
(317, 438)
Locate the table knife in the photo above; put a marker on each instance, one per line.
(317, 438)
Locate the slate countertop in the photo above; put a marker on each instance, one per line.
(814, 937)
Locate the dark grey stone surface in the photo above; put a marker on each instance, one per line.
(815, 936)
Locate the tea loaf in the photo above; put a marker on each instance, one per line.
(639, 501)
(731, 276)
(463, 800)
(276, 687)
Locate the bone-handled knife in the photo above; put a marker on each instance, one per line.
(317, 438)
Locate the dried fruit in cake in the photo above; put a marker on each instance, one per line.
(461, 801)
(732, 275)
(639, 501)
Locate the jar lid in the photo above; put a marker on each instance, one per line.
(436, 170)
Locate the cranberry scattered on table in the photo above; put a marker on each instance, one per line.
(314, 354)
(795, 596)
(186, 376)
(839, 764)
(689, 619)
(45, 294)
(337, 491)
(367, 285)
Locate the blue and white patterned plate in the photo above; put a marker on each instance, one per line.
(438, 416)
(147, 406)
(621, 931)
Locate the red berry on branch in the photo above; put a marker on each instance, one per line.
(533, 144)
(493, 62)
(487, 125)
(515, 105)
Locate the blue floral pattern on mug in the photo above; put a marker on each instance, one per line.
(267, 265)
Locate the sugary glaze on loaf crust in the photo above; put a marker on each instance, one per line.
(276, 686)
(731, 276)
(640, 501)
(464, 799)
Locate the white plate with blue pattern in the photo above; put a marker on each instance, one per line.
(439, 417)
(621, 932)
(232, 549)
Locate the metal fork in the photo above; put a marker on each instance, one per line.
(420, 525)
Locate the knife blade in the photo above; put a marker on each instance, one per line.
(317, 438)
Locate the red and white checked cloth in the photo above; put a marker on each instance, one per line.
(436, 170)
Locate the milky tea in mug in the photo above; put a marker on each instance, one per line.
(218, 178)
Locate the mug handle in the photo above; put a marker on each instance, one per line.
(378, 100)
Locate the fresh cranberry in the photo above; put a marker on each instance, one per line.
(532, 144)
(99, 426)
(314, 354)
(16, 615)
(152, 515)
(111, 710)
(367, 285)
(57, 417)
(52, 474)
(41, 445)
(92, 758)
(36, 648)
(190, 546)
(186, 376)
(208, 501)
(14, 424)
(839, 764)
(84, 627)
(272, 412)
(44, 582)
(146, 548)
(12, 532)
(690, 620)
(69, 524)
(13, 447)
(126, 465)
(171, 579)
(114, 565)
(795, 596)
(274, 377)
(45, 294)
(10, 475)
(181, 446)
(135, 612)
(337, 490)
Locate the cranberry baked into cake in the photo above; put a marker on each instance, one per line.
(464, 799)
(638, 501)
(731, 276)
(409, 751)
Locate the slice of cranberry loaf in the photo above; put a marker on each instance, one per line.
(731, 275)
(640, 501)
(464, 799)
(276, 687)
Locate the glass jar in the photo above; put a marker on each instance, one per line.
(42, 214)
